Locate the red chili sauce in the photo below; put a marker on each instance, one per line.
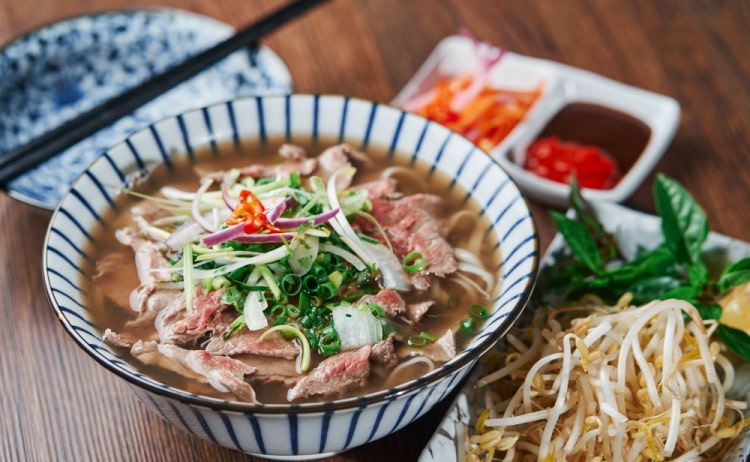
(595, 143)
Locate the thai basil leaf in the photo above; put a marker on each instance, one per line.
(580, 241)
(684, 225)
(709, 311)
(585, 214)
(735, 274)
(698, 275)
(657, 288)
(736, 340)
(656, 263)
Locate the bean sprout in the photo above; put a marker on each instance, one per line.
(622, 384)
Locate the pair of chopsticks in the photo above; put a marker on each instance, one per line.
(21, 159)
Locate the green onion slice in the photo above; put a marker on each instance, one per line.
(414, 262)
(290, 284)
(479, 312)
(421, 340)
(467, 326)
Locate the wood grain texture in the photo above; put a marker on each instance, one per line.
(57, 404)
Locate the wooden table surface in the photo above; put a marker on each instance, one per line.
(57, 404)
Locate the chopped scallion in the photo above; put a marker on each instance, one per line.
(479, 312)
(421, 340)
(414, 262)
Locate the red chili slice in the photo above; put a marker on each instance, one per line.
(558, 160)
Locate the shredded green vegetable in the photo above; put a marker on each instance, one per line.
(421, 340)
(187, 276)
(298, 277)
(414, 262)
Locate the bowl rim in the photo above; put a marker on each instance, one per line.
(384, 396)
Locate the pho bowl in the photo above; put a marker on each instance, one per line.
(294, 431)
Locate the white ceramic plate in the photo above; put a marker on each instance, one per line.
(61, 70)
(563, 85)
(632, 229)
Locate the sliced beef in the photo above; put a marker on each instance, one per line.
(149, 260)
(114, 339)
(294, 160)
(148, 352)
(272, 370)
(336, 157)
(149, 301)
(384, 352)
(384, 188)
(274, 345)
(411, 226)
(395, 306)
(292, 152)
(150, 211)
(389, 300)
(175, 325)
(442, 350)
(149, 297)
(305, 167)
(225, 374)
(416, 311)
(335, 375)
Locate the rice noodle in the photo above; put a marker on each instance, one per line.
(469, 285)
(466, 220)
(469, 263)
(637, 383)
(409, 177)
(393, 376)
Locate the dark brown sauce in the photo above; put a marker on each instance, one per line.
(621, 135)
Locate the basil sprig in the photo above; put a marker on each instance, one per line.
(673, 269)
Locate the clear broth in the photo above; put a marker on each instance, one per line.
(109, 307)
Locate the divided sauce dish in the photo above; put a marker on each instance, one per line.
(561, 86)
(295, 431)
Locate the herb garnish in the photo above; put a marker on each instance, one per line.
(673, 269)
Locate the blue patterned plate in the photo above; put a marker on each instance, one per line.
(59, 71)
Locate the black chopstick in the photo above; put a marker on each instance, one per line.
(21, 159)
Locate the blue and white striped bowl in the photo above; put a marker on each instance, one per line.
(299, 431)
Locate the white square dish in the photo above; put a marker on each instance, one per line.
(563, 85)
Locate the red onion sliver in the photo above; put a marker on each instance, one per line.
(487, 56)
(289, 223)
(183, 235)
(259, 238)
(274, 213)
(227, 198)
(226, 234)
(205, 184)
